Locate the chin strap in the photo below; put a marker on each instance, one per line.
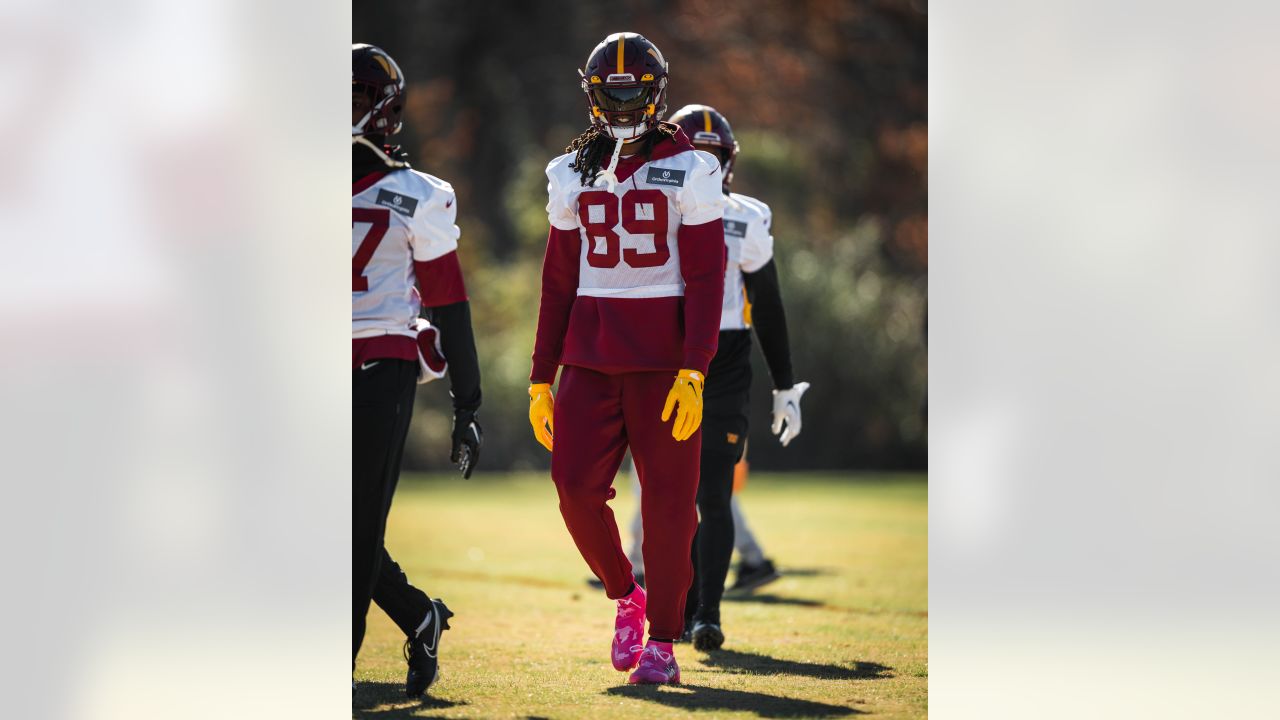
(609, 177)
(383, 156)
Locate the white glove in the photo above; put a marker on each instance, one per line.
(786, 406)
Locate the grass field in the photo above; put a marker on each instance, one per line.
(844, 632)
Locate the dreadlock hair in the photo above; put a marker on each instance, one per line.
(594, 147)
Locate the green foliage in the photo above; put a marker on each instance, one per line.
(828, 101)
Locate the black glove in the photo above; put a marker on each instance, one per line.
(467, 439)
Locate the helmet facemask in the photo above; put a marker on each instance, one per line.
(375, 75)
(623, 108)
(384, 117)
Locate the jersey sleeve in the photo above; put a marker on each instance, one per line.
(702, 198)
(757, 246)
(435, 230)
(559, 214)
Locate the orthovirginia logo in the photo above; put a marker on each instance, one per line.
(665, 176)
(402, 204)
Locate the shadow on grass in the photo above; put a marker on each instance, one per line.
(699, 697)
(806, 572)
(737, 662)
(770, 599)
(386, 700)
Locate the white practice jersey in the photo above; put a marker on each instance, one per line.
(750, 247)
(405, 216)
(629, 247)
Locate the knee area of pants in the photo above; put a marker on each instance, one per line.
(720, 513)
(581, 504)
(714, 499)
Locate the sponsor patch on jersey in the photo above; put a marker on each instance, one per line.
(402, 204)
(736, 228)
(665, 176)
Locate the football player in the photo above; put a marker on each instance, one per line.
(402, 229)
(631, 291)
(751, 299)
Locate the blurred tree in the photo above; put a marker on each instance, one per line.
(829, 100)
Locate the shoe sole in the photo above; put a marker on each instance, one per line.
(434, 677)
(646, 681)
(753, 585)
(708, 639)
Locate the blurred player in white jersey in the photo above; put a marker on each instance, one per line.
(402, 230)
(751, 299)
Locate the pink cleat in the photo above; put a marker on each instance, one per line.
(657, 665)
(628, 629)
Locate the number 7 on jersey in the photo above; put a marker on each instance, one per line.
(379, 220)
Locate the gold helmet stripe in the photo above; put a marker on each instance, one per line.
(706, 118)
(620, 39)
(388, 67)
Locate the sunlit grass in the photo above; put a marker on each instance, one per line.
(844, 633)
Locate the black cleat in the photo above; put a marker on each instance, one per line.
(421, 652)
(751, 577)
(707, 636)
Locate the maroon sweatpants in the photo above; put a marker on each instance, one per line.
(596, 417)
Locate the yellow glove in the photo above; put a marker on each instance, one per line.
(541, 406)
(687, 390)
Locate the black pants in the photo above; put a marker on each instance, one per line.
(724, 437)
(381, 410)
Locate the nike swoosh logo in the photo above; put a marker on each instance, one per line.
(448, 205)
(430, 650)
(368, 365)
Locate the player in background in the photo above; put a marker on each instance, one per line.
(751, 299)
(754, 569)
(631, 291)
(402, 229)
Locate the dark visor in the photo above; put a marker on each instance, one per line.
(621, 99)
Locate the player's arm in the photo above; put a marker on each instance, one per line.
(700, 239)
(559, 290)
(760, 276)
(445, 305)
(702, 258)
(559, 282)
(769, 318)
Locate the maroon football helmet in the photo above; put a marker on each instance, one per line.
(375, 74)
(625, 80)
(708, 130)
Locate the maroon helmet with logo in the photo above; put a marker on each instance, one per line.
(625, 80)
(375, 74)
(708, 130)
